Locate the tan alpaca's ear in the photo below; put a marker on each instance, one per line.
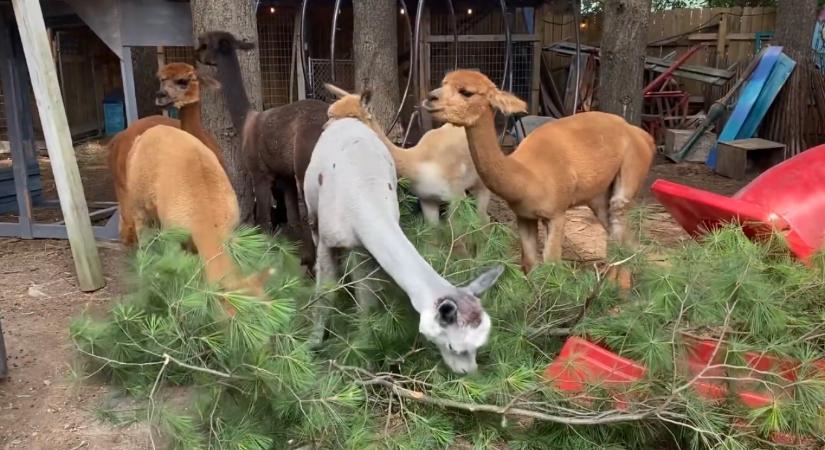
(335, 90)
(208, 82)
(366, 96)
(508, 103)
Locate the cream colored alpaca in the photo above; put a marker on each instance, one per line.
(173, 180)
(593, 159)
(439, 166)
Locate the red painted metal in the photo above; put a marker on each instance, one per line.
(664, 76)
(789, 198)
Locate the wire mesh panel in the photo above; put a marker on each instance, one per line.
(275, 43)
(320, 72)
(179, 55)
(487, 57)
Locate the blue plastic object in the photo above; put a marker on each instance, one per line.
(114, 118)
(780, 74)
(750, 93)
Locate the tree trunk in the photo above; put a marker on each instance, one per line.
(375, 49)
(145, 64)
(795, 20)
(238, 18)
(624, 41)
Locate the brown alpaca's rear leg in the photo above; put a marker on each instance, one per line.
(627, 184)
(128, 235)
(263, 202)
(293, 216)
(601, 208)
(528, 232)
(555, 236)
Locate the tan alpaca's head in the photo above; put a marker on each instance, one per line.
(465, 95)
(349, 105)
(180, 85)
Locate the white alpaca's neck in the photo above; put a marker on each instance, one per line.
(387, 243)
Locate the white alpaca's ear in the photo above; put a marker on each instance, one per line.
(507, 103)
(335, 90)
(447, 312)
(485, 280)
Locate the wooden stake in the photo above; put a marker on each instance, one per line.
(43, 74)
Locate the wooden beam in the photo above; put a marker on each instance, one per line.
(43, 75)
(722, 41)
(715, 37)
(484, 38)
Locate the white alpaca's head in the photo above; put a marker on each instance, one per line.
(457, 323)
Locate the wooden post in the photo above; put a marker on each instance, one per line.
(722, 42)
(43, 75)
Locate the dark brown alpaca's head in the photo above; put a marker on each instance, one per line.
(213, 44)
(180, 85)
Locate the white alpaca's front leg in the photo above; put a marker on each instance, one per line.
(325, 273)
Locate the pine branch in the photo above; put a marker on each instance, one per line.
(602, 418)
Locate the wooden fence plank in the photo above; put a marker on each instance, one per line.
(43, 74)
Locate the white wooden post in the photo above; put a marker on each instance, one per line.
(43, 75)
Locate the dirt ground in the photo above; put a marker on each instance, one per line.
(43, 406)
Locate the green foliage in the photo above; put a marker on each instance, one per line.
(207, 379)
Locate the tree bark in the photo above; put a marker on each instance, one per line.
(795, 20)
(792, 117)
(238, 18)
(375, 48)
(624, 41)
(145, 64)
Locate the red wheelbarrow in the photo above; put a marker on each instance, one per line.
(789, 198)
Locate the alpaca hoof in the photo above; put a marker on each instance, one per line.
(622, 277)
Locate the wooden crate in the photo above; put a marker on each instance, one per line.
(737, 159)
(675, 139)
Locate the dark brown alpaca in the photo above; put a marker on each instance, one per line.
(277, 143)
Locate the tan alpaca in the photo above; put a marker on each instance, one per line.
(173, 180)
(180, 85)
(439, 166)
(594, 159)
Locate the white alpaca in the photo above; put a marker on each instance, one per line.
(439, 166)
(351, 197)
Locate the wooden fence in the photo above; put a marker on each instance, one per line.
(679, 29)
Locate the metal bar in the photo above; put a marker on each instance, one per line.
(485, 38)
(303, 43)
(413, 46)
(454, 28)
(508, 54)
(667, 74)
(335, 12)
(576, 19)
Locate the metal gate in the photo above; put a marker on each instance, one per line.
(320, 72)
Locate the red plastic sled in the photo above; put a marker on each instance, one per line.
(788, 198)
